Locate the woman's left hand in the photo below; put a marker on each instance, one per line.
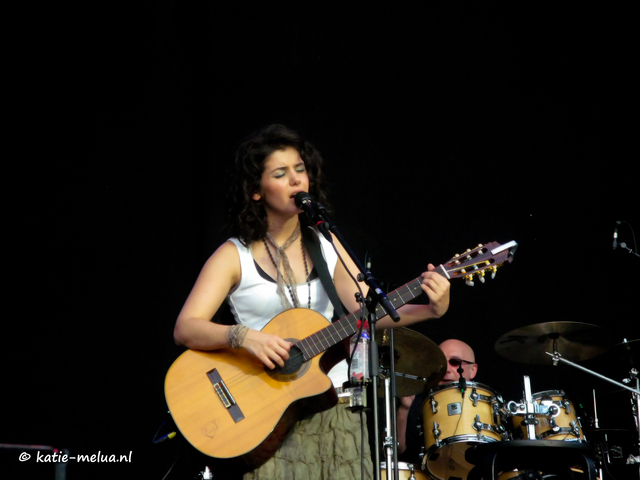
(437, 289)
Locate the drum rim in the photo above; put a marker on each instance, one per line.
(464, 438)
(451, 385)
(470, 384)
(401, 464)
(559, 393)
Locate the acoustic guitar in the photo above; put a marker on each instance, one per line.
(227, 404)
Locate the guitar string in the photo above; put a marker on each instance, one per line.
(236, 380)
(319, 342)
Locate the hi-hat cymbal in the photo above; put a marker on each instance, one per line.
(574, 341)
(416, 356)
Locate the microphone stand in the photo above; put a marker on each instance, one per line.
(632, 252)
(391, 418)
(375, 291)
(375, 297)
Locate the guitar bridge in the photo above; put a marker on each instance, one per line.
(225, 395)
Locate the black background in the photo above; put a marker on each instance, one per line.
(442, 127)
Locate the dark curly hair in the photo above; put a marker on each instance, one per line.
(247, 219)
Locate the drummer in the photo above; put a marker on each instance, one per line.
(459, 355)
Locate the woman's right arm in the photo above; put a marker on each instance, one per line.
(219, 275)
(194, 328)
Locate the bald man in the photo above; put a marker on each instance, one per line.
(458, 355)
(460, 361)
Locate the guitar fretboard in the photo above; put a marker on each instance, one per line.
(345, 327)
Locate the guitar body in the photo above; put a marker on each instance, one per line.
(269, 402)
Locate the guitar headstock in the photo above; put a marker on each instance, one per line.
(479, 261)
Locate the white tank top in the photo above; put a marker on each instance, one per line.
(254, 301)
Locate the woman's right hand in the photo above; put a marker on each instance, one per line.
(267, 348)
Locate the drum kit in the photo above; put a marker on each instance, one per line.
(470, 432)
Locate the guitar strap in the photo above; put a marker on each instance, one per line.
(312, 242)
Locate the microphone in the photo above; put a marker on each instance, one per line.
(463, 381)
(615, 235)
(304, 202)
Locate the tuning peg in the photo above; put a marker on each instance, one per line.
(493, 273)
(481, 276)
(469, 280)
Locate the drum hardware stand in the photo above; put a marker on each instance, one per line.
(557, 357)
(635, 407)
(530, 418)
(596, 423)
(635, 392)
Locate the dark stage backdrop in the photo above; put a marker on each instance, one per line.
(442, 126)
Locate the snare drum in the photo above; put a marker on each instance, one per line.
(406, 471)
(555, 418)
(453, 422)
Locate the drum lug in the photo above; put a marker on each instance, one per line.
(436, 434)
(474, 397)
(574, 428)
(434, 404)
(478, 426)
(552, 423)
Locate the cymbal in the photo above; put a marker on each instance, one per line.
(628, 350)
(575, 342)
(414, 355)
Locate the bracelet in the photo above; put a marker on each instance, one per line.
(236, 335)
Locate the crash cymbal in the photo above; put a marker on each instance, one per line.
(574, 341)
(416, 356)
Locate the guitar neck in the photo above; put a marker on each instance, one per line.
(473, 262)
(348, 325)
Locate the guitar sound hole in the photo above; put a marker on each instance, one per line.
(293, 368)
